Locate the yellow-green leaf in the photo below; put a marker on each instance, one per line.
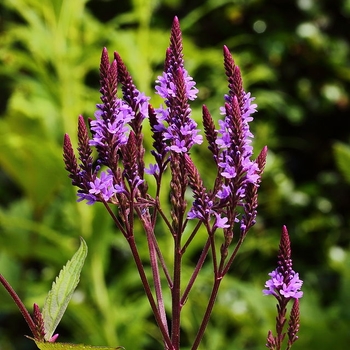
(62, 290)
(67, 346)
(342, 158)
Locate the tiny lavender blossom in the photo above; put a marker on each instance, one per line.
(285, 286)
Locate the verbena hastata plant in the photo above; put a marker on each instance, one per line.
(227, 211)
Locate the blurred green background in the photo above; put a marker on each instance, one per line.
(294, 57)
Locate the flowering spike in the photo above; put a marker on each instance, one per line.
(108, 80)
(39, 323)
(177, 87)
(239, 173)
(261, 160)
(210, 132)
(284, 282)
(70, 161)
(284, 285)
(235, 83)
(108, 130)
(294, 323)
(84, 148)
(284, 250)
(201, 207)
(251, 204)
(178, 186)
(134, 98)
(138, 102)
(176, 57)
(104, 65)
(160, 148)
(130, 159)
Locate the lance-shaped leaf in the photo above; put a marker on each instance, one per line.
(61, 292)
(67, 346)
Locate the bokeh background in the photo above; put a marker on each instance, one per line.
(294, 57)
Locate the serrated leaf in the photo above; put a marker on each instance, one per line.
(62, 290)
(342, 158)
(67, 346)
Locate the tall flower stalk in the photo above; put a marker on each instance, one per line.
(117, 178)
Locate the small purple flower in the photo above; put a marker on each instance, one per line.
(224, 192)
(141, 101)
(152, 170)
(120, 188)
(90, 198)
(103, 186)
(277, 286)
(221, 222)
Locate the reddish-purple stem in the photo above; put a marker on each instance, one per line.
(208, 312)
(176, 292)
(20, 305)
(196, 271)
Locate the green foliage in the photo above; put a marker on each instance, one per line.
(62, 346)
(342, 157)
(62, 291)
(297, 69)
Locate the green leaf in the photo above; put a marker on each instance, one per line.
(342, 158)
(62, 290)
(67, 346)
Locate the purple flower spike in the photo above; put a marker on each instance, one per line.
(177, 87)
(239, 174)
(235, 140)
(284, 285)
(137, 100)
(284, 282)
(109, 130)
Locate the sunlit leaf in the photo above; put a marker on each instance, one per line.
(62, 290)
(67, 346)
(342, 158)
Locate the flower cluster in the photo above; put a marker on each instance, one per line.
(116, 177)
(238, 174)
(284, 285)
(281, 285)
(176, 87)
(284, 282)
